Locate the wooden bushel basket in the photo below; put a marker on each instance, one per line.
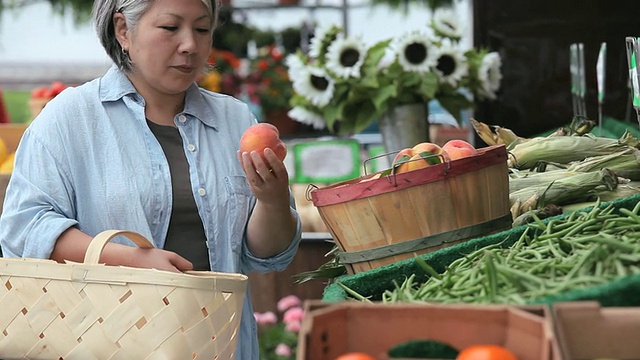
(95, 311)
(381, 221)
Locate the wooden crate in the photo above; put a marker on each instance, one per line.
(374, 328)
(385, 220)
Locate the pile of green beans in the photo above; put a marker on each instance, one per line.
(584, 249)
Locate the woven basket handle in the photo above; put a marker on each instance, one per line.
(100, 241)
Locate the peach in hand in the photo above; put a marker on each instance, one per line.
(457, 149)
(260, 136)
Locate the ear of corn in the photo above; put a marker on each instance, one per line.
(522, 180)
(625, 163)
(562, 149)
(572, 189)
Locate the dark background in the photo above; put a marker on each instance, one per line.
(533, 39)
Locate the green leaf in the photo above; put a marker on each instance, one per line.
(429, 85)
(455, 104)
(431, 158)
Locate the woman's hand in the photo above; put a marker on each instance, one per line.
(73, 243)
(269, 181)
(272, 224)
(158, 259)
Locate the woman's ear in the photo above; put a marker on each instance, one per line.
(121, 31)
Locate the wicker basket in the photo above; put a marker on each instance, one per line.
(94, 311)
(381, 221)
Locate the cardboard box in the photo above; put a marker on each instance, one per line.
(10, 135)
(585, 330)
(374, 328)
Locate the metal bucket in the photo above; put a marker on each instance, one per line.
(404, 126)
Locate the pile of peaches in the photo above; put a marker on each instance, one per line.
(425, 154)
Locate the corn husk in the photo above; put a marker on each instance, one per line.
(602, 195)
(573, 189)
(494, 134)
(542, 213)
(565, 149)
(521, 180)
(625, 163)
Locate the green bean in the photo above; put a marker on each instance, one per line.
(427, 268)
(631, 214)
(610, 240)
(491, 275)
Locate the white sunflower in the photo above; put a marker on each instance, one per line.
(490, 75)
(445, 23)
(319, 37)
(345, 56)
(294, 65)
(314, 84)
(307, 117)
(415, 52)
(451, 65)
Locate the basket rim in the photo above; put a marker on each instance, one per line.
(354, 189)
(121, 275)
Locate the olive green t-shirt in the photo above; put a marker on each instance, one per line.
(186, 234)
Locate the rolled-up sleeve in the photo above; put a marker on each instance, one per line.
(280, 261)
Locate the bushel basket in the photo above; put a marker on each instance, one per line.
(380, 221)
(95, 311)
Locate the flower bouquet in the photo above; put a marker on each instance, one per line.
(223, 76)
(344, 85)
(268, 81)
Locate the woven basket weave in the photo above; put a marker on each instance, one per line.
(94, 311)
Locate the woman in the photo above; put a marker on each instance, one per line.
(144, 149)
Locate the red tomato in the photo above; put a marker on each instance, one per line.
(57, 87)
(486, 352)
(39, 92)
(355, 356)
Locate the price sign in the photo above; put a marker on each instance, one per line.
(326, 161)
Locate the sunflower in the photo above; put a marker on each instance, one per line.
(490, 75)
(345, 56)
(322, 38)
(415, 52)
(451, 65)
(295, 65)
(308, 117)
(313, 83)
(445, 24)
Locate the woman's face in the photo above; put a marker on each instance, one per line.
(170, 46)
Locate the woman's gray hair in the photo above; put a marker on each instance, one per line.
(104, 10)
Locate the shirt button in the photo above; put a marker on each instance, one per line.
(182, 118)
(191, 147)
(202, 192)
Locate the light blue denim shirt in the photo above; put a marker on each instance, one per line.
(89, 160)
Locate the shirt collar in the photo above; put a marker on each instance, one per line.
(115, 85)
(197, 106)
